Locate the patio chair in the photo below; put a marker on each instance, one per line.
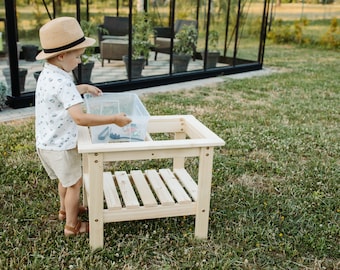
(163, 36)
(113, 37)
(114, 28)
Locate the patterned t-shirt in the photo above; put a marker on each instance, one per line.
(55, 93)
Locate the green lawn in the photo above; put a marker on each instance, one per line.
(275, 194)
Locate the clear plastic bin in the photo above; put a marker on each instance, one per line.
(113, 103)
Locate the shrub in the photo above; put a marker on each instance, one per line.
(3, 94)
(281, 33)
(331, 39)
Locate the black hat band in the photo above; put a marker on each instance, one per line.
(65, 47)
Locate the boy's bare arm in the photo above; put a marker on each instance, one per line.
(87, 88)
(83, 119)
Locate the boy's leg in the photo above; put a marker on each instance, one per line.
(72, 207)
(62, 211)
(62, 194)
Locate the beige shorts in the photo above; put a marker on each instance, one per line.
(62, 165)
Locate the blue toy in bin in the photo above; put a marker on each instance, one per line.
(113, 103)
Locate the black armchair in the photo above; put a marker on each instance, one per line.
(163, 36)
(113, 28)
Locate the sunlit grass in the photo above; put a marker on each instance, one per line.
(275, 189)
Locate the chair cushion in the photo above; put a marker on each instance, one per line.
(115, 37)
(116, 26)
(161, 43)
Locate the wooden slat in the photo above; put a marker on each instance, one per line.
(84, 135)
(110, 192)
(158, 124)
(187, 181)
(165, 123)
(160, 211)
(195, 129)
(143, 188)
(175, 187)
(126, 190)
(159, 187)
(148, 137)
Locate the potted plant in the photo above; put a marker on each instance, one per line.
(3, 95)
(142, 33)
(30, 51)
(22, 72)
(22, 77)
(212, 51)
(184, 47)
(87, 62)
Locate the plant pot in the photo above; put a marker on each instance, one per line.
(212, 59)
(22, 78)
(181, 62)
(36, 75)
(30, 52)
(86, 72)
(3, 95)
(137, 66)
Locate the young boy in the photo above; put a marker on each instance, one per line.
(59, 110)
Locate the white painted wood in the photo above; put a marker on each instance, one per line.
(179, 160)
(96, 199)
(191, 139)
(126, 190)
(159, 187)
(84, 136)
(143, 188)
(85, 171)
(151, 154)
(203, 195)
(187, 181)
(159, 211)
(148, 137)
(86, 189)
(110, 192)
(165, 123)
(157, 124)
(175, 187)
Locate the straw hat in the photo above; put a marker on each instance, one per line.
(61, 35)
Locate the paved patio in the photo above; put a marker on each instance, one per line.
(115, 70)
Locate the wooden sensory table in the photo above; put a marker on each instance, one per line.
(154, 193)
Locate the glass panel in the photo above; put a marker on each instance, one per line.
(111, 25)
(238, 36)
(5, 76)
(29, 20)
(187, 29)
(249, 32)
(216, 35)
(159, 60)
(231, 20)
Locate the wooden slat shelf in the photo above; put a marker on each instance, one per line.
(145, 192)
(154, 193)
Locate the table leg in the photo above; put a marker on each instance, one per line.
(204, 189)
(178, 162)
(85, 163)
(96, 197)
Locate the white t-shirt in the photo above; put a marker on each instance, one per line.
(55, 93)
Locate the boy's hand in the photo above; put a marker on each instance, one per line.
(91, 89)
(121, 119)
(88, 88)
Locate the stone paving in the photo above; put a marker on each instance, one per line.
(115, 70)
